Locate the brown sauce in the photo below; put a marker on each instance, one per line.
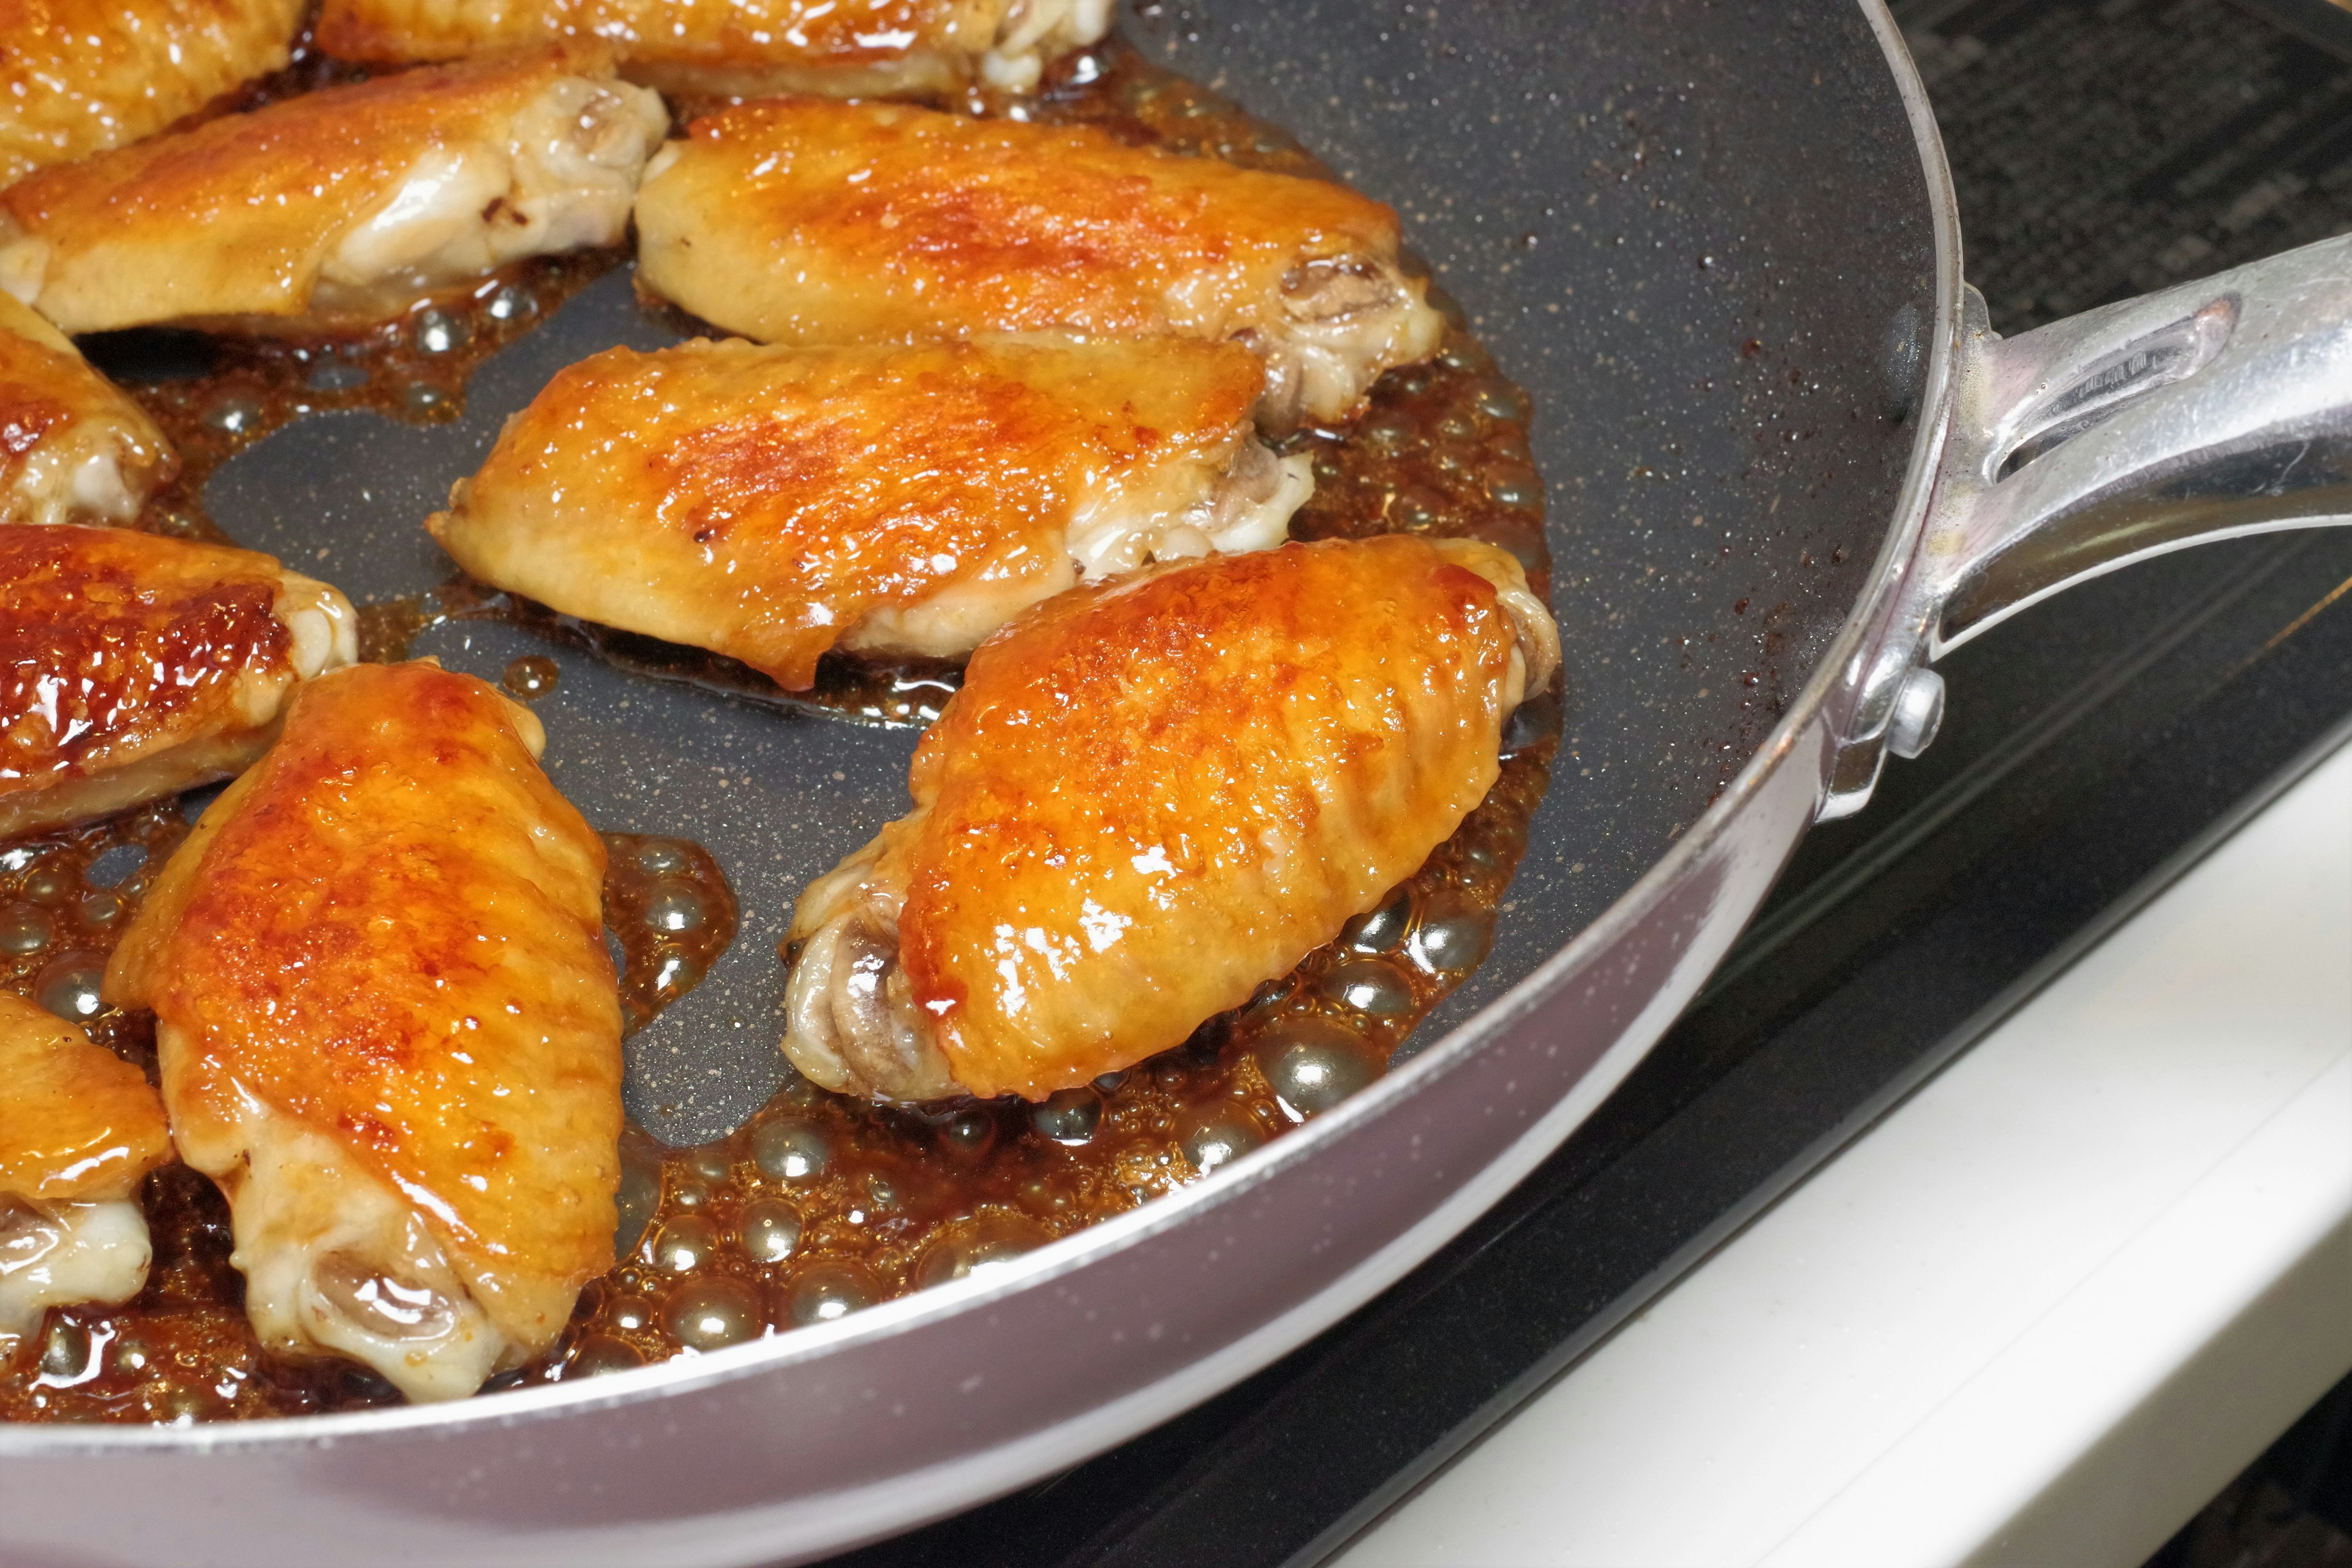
(818, 1205)
(671, 914)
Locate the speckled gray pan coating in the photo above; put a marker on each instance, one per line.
(1698, 235)
(1689, 231)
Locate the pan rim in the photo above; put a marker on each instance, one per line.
(1809, 718)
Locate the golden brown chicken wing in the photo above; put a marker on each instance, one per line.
(72, 446)
(343, 206)
(805, 221)
(389, 1029)
(79, 1128)
(132, 666)
(79, 77)
(748, 48)
(1151, 796)
(774, 503)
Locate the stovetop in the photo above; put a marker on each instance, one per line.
(2101, 148)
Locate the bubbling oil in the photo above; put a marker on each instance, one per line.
(671, 912)
(819, 1205)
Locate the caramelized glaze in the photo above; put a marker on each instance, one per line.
(76, 1122)
(81, 75)
(771, 503)
(896, 222)
(104, 644)
(803, 221)
(749, 47)
(290, 197)
(1154, 791)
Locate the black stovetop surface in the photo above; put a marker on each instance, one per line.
(2101, 148)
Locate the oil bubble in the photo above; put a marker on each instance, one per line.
(24, 929)
(48, 885)
(1381, 929)
(69, 985)
(713, 1312)
(66, 1351)
(790, 1150)
(597, 1355)
(685, 1244)
(1369, 986)
(1070, 1116)
(640, 1196)
(1217, 1135)
(512, 304)
(438, 333)
(829, 1291)
(1453, 936)
(768, 1230)
(975, 1245)
(630, 1314)
(680, 910)
(1312, 1066)
(660, 860)
(233, 415)
(531, 676)
(968, 1135)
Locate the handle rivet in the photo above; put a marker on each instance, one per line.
(1919, 713)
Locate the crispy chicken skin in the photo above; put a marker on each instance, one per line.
(805, 221)
(774, 503)
(72, 446)
(79, 1128)
(79, 77)
(750, 48)
(132, 666)
(341, 206)
(1152, 796)
(389, 1028)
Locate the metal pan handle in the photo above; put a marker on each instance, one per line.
(2212, 410)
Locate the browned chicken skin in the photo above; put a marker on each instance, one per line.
(748, 48)
(132, 666)
(79, 1128)
(774, 503)
(389, 1028)
(1151, 797)
(805, 221)
(79, 77)
(343, 206)
(72, 446)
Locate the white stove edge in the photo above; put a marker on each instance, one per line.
(2037, 1315)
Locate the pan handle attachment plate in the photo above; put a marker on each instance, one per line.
(2212, 410)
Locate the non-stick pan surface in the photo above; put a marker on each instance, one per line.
(1700, 237)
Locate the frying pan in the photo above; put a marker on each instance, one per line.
(1788, 467)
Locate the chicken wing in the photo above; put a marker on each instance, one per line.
(342, 207)
(390, 1031)
(72, 445)
(805, 221)
(774, 503)
(751, 49)
(132, 666)
(79, 1128)
(79, 77)
(1151, 796)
